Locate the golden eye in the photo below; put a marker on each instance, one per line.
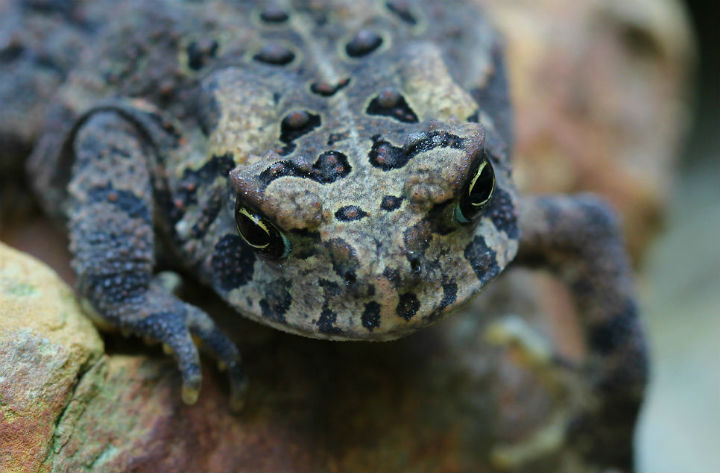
(477, 193)
(261, 235)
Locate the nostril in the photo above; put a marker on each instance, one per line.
(415, 265)
(350, 278)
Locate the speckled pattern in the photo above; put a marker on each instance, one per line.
(313, 162)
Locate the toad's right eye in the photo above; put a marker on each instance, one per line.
(261, 235)
(477, 192)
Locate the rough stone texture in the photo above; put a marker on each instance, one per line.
(46, 345)
(600, 104)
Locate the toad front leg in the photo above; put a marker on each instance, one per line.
(578, 239)
(111, 232)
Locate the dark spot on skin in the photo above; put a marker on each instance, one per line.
(417, 238)
(208, 112)
(210, 211)
(363, 43)
(334, 138)
(328, 90)
(45, 61)
(408, 306)
(393, 275)
(390, 203)
(449, 295)
(401, 8)
(275, 55)
(439, 219)
(165, 125)
(11, 50)
(503, 213)
(350, 213)
(482, 260)
(609, 335)
(194, 180)
(415, 266)
(385, 156)
(371, 316)
(326, 322)
(390, 103)
(329, 167)
(296, 124)
(277, 170)
(232, 263)
(343, 257)
(273, 14)
(277, 300)
(449, 298)
(166, 89)
(350, 278)
(125, 201)
(435, 139)
(305, 243)
(50, 6)
(296, 121)
(319, 17)
(199, 53)
(330, 289)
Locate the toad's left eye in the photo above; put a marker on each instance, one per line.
(477, 193)
(261, 235)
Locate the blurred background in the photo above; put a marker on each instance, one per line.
(680, 426)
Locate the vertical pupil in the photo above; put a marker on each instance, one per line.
(252, 228)
(482, 188)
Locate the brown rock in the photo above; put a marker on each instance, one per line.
(46, 346)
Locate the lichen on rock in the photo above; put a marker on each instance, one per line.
(46, 346)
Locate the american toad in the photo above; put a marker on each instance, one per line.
(338, 170)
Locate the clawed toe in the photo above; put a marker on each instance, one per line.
(223, 349)
(238, 388)
(177, 326)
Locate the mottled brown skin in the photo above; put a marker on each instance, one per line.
(354, 128)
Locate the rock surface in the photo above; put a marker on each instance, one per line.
(46, 346)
